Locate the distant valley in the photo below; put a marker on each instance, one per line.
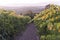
(18, 10)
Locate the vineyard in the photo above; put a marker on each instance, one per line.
(10, 24)
(48, 23)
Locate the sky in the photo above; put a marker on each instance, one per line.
(28, 2)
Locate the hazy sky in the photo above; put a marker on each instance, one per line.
(28, 2)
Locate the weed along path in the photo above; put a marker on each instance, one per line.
(29, 34)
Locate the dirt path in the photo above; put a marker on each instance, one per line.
(29, 34)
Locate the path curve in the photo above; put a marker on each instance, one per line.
(29, 34)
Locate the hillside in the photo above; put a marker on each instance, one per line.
(34, 9)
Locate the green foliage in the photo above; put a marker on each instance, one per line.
(50, 37)
(42, 37)
(10, 24)
(48, 21)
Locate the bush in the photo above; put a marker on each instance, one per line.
(50, 37)
(42, 37)
(10, 24)
(47, 21)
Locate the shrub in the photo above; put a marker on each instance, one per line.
(47, 21)
(50, 37)
(10, 24)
